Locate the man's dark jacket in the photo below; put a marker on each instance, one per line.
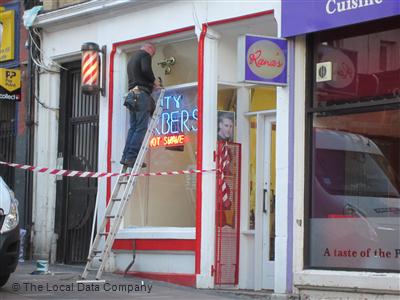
(139, 70)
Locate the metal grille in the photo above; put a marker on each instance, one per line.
(7, 139)
(227, 218)
(82, 154)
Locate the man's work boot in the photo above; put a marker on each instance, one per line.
(130, 163)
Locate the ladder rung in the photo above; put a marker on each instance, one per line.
(116, 199)
(104, 233)
(97, 251)
(90, 258)
(110, 216)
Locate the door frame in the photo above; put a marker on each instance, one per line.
(64, 159)
(261, 237)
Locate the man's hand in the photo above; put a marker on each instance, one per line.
(157, 83)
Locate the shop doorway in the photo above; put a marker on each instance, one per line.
(77, 150)
(7, 139)
(262, 195)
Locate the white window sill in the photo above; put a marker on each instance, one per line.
(347, 280)
(179, 233)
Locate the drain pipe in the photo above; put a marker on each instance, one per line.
(200, 91)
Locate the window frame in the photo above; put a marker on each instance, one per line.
(380, 104)
(176, 232)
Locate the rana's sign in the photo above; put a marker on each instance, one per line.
(262, 59)
(10, 84)
(7, 34)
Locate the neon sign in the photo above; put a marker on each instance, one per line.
(168, 140)
(179, 117)
(175, 117)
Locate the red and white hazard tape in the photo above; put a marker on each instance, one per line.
(71, 173)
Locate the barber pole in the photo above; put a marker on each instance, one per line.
(90, 68)
(224, 165)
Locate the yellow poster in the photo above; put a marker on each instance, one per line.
(10, 84)
(7, 31)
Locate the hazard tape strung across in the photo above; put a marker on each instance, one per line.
(85, 174)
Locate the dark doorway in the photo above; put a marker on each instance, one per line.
(77, 150)
(7, 139)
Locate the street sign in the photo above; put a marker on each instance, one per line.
(10, 84)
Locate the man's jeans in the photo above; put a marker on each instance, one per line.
(139, 119)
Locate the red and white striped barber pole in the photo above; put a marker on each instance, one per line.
(90, 68)
(224, 165)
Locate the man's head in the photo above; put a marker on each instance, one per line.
(149, 48)
(225, 126)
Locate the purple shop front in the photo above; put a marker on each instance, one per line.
(262, 60)
(302, 16)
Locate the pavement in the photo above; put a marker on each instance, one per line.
(61, 283)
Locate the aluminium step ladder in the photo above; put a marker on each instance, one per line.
(121, 193)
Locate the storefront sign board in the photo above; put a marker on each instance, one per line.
(10, 84)
(178, 121)
(262, 60)
(300, 17)
(7, 35)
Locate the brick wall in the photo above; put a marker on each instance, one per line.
(56, 4)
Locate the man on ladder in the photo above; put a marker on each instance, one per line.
(139, 101)
(144, 114)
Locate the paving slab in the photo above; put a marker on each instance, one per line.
(62, 282)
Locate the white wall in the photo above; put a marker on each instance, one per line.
(181, 262)
(46, 139)
(62, 41)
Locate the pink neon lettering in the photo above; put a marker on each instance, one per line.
(261, 61)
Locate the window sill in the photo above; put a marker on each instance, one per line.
(179, 233)
(346, 280)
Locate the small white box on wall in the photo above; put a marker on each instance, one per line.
(324, 71)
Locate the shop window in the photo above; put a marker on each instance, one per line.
(263, 98)
(364, 67)
(176, 63)
(169, 200)
(354, 154)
